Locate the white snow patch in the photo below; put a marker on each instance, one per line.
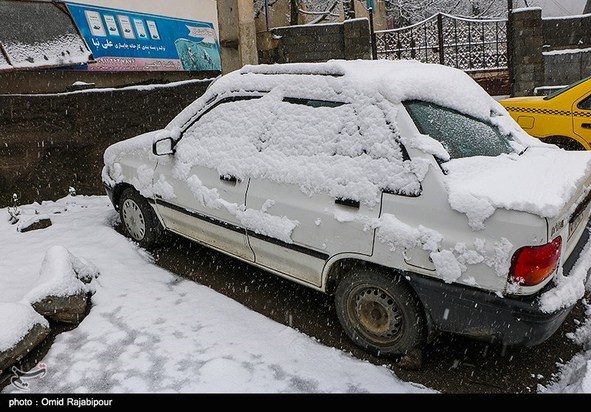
(398, 234)
(17, 319)
(568, 289)
(566, 51)
(60, 275)
(447, 265)
(259, 221)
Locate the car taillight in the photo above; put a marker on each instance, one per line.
(531, 265)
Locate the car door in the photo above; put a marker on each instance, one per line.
(208, 203)
(582, 117)
(321, 224)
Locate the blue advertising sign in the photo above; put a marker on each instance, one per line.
(121, 40)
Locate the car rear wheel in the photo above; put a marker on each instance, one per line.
(138, 218)
(380, 312)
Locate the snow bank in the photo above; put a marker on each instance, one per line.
(24, 224)
(574, 376)
(151, 331)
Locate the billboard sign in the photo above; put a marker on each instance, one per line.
(124, 40)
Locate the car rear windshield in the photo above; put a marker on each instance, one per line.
(461, 135)
(564, 89)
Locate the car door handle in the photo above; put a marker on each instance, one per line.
(347, 202)
(586, 125)
(229, 178)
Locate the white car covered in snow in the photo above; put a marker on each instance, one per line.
(402, 188)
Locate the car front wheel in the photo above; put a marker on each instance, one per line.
(138, 218)
(380, 312)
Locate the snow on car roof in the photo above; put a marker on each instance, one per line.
(344, 80)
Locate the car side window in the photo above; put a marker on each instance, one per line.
(585, 104)
(331, 129)
(224, 131)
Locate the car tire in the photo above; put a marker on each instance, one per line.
(380, 312)
(565, 143)
(139, 220)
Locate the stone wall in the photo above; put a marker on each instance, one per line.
(349, 40)
(566, 32)
(549, 51)
(566, 49)
(526, 39)
(51, 142)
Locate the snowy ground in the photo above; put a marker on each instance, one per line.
(152, 331)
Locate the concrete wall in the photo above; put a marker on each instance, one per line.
(51, 142)
(380, 19)
(317, 43)
(548, 52)
(237, 34)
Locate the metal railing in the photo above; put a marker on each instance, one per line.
(463, 43)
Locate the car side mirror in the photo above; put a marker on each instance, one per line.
(164, 146)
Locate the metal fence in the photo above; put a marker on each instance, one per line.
(466, 44)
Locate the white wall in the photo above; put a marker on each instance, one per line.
(555, 8)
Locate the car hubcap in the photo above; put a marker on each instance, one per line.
(378, 314)
(133, 218)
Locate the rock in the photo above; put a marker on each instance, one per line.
(34, 224)
(33, 338)
(67, 309)
(413, 360)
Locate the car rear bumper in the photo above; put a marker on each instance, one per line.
(510, 320)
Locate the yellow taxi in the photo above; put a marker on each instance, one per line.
(563, 117)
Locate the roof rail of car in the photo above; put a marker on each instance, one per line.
(310, 69)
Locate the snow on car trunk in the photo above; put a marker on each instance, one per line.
(542, 182)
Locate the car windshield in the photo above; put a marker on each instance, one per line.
(461, 135)
(564, 89)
